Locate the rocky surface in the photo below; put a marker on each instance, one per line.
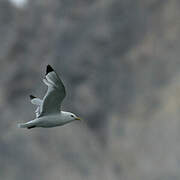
(120, 63)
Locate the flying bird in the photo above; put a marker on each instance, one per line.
(48, 112)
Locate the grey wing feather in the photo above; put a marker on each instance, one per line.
(37, 102)
(54, 96)
(37, 112)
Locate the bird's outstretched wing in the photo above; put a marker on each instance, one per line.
(36, 101)
(55, 94)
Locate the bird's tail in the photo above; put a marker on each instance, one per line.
(28, 125)
(22, 125)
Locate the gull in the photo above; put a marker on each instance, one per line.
(48, 112)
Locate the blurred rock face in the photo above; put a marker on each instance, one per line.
(119, 61)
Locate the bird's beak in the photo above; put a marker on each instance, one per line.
(78, 118)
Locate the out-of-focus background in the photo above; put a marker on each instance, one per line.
(119, 60)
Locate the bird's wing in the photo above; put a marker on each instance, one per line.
(55, 94)
(36, 101)
(37, 112)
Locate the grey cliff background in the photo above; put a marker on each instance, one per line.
(119, 60)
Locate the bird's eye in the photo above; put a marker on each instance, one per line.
(72, 116)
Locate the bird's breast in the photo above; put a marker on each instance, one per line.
(51, 121)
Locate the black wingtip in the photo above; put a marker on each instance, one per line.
(49, 69)
(32, 97)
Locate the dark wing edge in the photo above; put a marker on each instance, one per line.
(55, 94)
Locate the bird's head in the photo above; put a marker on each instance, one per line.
(73, 117)
(70, 116)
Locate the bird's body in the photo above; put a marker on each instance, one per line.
(48, 113)
(48, 121)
